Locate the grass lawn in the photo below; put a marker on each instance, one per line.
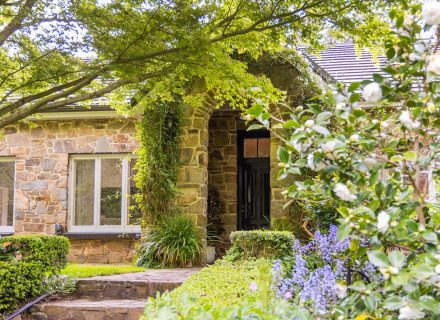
(91, 270)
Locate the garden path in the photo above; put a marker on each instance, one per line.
(116, 297)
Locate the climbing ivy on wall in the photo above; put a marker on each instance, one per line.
(158, 158)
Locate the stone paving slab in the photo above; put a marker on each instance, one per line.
(133, 285)
(178, 275)
(83, 309)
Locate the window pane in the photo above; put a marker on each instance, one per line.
(250, 148)
(111, 191)
(7, 173)
(134, 212)
(84, 192)
(263, 147)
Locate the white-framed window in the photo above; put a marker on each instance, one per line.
(100, 190)
(7, 194)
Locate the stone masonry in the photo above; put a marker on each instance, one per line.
(222, 167)
(41, 152)
(102, 251)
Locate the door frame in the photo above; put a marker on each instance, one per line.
(241, 135)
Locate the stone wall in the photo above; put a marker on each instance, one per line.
(42, 159)
(222, 166)
(102, 251)
(192, 180)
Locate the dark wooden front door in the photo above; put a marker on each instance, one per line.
(253, 179)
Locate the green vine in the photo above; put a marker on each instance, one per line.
(158, 159)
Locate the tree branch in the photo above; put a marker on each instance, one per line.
(16, 22)
(20, 102)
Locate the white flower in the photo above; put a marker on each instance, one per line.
(393, 270)
(343, 192)
(309, 123)
(409, 313)
(383, 221)
(414, 57)
(341, 290)
(354, 138)
(431, 108)
(437, 268)
(340, 106)
(372, 92)
(420, 46)
(431, 12)
(434, 63)
(408, 121)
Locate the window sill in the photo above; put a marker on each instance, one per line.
(102, 235)
(6, 234)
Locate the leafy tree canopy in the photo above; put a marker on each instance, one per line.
(153, 49)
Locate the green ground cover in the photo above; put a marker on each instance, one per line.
(91, 270)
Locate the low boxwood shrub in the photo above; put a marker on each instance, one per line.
(226, 290)
(223, 279)
(25, 262)
(260, 244)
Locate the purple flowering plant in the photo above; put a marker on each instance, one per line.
(317, 278)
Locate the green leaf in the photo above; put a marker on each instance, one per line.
(394, 303)
(283, 155)
(322, 130)
(354, 86)
(391, 53)
(378, 258)
(430, 304)
(410, 155)
(344, 231)
(430, 236)
(294, 170)
(401, 279)
(324, 116)
(254, 127)
(255, 110)
(422, 271)
(291, 124)
(396, 258)
(355, 97)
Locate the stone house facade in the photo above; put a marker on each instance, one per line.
(70, 172)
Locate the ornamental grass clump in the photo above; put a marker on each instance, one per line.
(173, 241)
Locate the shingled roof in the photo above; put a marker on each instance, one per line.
(342, 63)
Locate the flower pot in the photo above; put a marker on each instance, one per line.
(210, 254)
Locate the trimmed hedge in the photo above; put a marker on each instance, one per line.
(261, 244)
(25, 262)
(224, 284)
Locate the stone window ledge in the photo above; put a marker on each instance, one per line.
(102, 236)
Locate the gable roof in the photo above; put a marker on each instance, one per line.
(341, 63)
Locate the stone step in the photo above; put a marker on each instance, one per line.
(132, 286)
(86, 309)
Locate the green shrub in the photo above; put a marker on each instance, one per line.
(173, 241)
(260, 244)
(223, 279)
(26, 262)
(222, 291)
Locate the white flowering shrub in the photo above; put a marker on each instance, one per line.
(369, 146)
